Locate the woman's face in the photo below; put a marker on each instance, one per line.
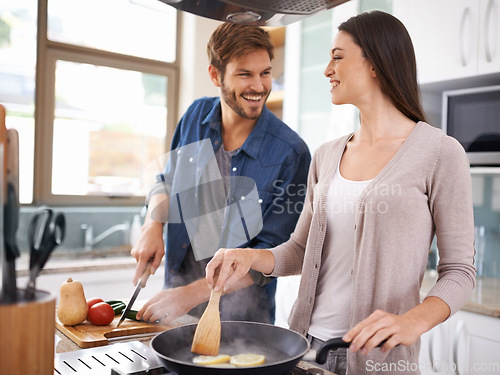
(350, 73)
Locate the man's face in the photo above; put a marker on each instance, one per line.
(246, 83)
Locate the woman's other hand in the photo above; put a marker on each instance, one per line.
(402, 329)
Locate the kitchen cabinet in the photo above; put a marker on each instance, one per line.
(489, 36)
(453, 39)
(275, 100)
(467, 343)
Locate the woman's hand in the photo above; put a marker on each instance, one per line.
(233, 264)
(380, 326)
(402, 329)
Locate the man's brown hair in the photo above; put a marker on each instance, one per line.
(231, 41)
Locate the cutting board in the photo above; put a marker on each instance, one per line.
(87, 335)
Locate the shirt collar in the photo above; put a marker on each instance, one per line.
(255, 139)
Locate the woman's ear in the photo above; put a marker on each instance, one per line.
(374, 74)
(214, 74)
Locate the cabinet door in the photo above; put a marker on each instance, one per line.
(444, 34)
(489, 37)
(435, 351)
(479, 335)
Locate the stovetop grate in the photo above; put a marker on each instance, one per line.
(122, 358)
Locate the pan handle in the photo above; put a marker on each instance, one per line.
(334, 344)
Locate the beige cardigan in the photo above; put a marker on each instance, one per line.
(425, 189)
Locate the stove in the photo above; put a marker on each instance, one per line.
(133, 358)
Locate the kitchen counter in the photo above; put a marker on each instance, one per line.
(64, 344)
(485, 298)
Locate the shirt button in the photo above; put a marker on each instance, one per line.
(260, 200)
(172, 272)
(310, 301)
(216, 142)
(235, 169)
(242, 198)
(184, 246)
(316, 266)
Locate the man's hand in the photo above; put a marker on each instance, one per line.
(168, 305)
(149, 245)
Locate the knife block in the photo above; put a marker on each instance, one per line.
(27, 331)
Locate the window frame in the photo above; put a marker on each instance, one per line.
(48, 53)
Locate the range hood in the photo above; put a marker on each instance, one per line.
(255, 12)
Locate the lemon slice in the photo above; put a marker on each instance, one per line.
(206, 360)
(223, 365)
(247, 359)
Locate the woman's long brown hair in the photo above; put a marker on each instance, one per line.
(387, 45)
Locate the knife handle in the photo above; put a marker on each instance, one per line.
(145, 274)
(3, 140)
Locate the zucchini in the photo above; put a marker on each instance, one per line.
(117, 306)
(131, 314)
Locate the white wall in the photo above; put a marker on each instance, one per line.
(194, 80)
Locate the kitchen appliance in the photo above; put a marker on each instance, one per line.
(472, 116)
(133, 358)
(255, 12)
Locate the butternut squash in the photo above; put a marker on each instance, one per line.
(72, 308)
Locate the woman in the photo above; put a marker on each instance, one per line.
(374, 202)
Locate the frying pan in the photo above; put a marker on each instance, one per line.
(283, 348)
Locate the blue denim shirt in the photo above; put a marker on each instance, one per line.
(273, 155)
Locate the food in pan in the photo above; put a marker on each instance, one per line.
(247, 360)
(226, 361)
(206, 360)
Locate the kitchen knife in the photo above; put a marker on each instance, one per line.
(141, 284)
(11, 212)
(6, 288)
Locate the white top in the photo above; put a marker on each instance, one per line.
(330, 316)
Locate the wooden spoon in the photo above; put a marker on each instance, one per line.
(206, 339)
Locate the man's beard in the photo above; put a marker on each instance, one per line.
(230, 98)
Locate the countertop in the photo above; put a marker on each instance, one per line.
(485, 298)
(63, 344)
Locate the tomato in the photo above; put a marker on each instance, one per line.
(101, 314)
(92, 301)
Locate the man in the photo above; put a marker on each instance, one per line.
(247, 141)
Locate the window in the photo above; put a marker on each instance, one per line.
(106, 86)
(17, 81)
